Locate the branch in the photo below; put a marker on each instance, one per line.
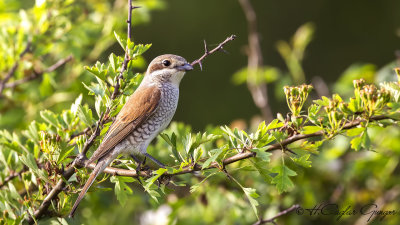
(14, 67)
(207, 52)
(272, 219)
(13, 175)
(237, 157)
(259, 92)
(35, 75)
(126, 58)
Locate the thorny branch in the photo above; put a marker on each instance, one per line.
(272, 219)
(207, 52)
(126, 58)
(14, 67)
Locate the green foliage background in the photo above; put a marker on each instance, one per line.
(351, 167)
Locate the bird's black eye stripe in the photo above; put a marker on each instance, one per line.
(166, 62)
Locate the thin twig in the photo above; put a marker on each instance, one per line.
(259, 92)
(36, 75)
(272, 219)
(207, 52)
(126, 57)
(14, 67)
(13, 175)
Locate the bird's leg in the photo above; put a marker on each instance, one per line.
(163, 179)
(139, 166)
(154, 160)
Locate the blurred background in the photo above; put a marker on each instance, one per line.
(323, 42)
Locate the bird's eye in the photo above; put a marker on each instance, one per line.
(166, 62)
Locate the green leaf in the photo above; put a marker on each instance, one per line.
(64, 153)
(356, 143)
(30, 162)
(262, 154)
(302, 161)
(113, 62)
(282, 179)
(365, 140)
(49, 117)
(196, 186)
(172, 142)
(311, 129)
(85, 114)
(252, 195)
(120, 40)
(274, 124)
(139, 50)
(355, 131)
(149, 182)
(122, 190)
(215, 153)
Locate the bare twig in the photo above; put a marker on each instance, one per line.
(36, 75)
(14, 67)
(207, 52)
(272, 219)
(259, 92)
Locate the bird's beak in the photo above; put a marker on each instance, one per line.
(185, 67)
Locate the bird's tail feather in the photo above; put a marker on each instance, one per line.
(100, 166)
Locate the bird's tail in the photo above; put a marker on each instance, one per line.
(100, 166)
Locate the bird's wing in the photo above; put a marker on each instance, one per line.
(139, 107)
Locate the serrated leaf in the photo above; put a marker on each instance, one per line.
(122, 190)
(356, 143)
(252, 195)
(140, 49)
(216, 153)
(113, 62)
(121, 41)
(262, 154)
(302, 161)
(274, 124)
(49, 117)
(355, 131)
(64, 153)
(311, 129)
(172, 142)
(156, 174)
(85, 114)
(282, 179)
(193, 188)
(30, 162)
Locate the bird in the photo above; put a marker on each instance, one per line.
(146, 113)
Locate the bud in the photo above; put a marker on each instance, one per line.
(358, 83)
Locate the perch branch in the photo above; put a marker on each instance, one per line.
(237, 157)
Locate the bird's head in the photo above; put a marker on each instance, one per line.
(167, 68)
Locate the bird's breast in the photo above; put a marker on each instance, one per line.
(160, 119)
